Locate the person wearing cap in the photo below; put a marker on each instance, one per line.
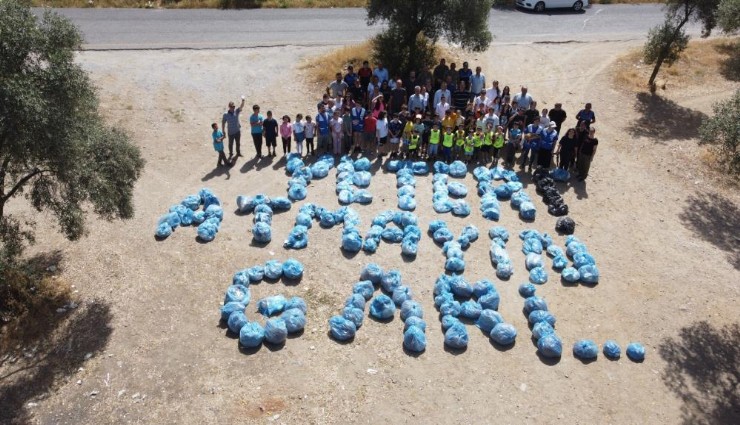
(586, 153)
(416, 101)
(547, 143)
(523, 98)
(586, 114)
(230, 123)
(477, 82)
(255, 120)
(557, 115)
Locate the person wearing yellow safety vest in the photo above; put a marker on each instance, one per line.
(448, 140)
(478, 144)
(459, 142)
(498, 144)
(469, 147)
(414, 144)
(434, 137)
(487, 144)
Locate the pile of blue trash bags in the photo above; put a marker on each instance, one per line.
(283, 315)
(353, 177)
(443, 189)
(510, 188)
(405, 230)
(451, 247)
(533, 244)
(308, 213)
(188, 213)
(406, 184)
(301, 175)
(549, 344)
(263, 207)
(418, 168)
(457, 299)
(584, 268)
(393, 295)
(499, 257)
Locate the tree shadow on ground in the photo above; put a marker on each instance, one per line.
(729, 67)
(715, 219)
(703, 369)
(68, 341)
(662, 119)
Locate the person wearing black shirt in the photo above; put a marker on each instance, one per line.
(567, 149)
(586, 154)
(460, 97)
(531, 113)
(557, 115)
(270, 128)
(440, 72)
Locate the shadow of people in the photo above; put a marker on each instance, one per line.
(579, 188)
(712, 217)
(661, 118)
(220, 170)
(703, 370)
(86, 331)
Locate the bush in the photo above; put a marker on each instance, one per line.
(722, 132)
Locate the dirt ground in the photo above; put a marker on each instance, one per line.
(663, 231)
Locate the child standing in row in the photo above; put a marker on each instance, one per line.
(310, 129)
(270, 130)
(286, 130)
(299, 133)
(218, 144)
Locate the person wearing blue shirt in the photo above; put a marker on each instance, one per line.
(357, 116)
(587, 115)
(230, 123)
(218, 145)
(530, 143)
(322, 123)
(255, 120)
(548, 137)
(381, 73)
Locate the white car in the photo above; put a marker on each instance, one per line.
(541, 5)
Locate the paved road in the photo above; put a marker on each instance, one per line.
(208, 28)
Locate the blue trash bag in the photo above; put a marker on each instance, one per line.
(471, 232)
(488, 319)
(409, 247)
(256, 274)
(276, 331)
(292, 269)
(237, 293)
(344, 186)
(354, 315)
(515, 186)
(585, 349)
(503, 191)
(460, 287)
(327, 219)
(297, 238)
(328, 159)
(401, 295)
(518, 198)
(191, 202)
(406, 203)
(541, 329)
(280, 203)
(504, 270)
(555, 251)
(199, 217)
(573, 248)
(503, 334)
(346, 196)
(482, 287)
(297, 192)
(527, 211)
(273, 269)
(497, 173)
(270, 306)
(457, 189)
(526, 290)
(612, 350)
(529, 233)
(442, 235)
(262, 232)
(492, 213)
(415, 321)
(545, 240)
(589, 274)
(293, 164)
(445, 297)
(207, 198)
(559, 262)
(361, 178)
(470, 310)
(442, 206)
(510, 176)
(490, 300)
(457, 336)
(406, 191)
(570, 275)
(304, 172)
(382, 307)
(498, 232)
(534, 303)
(184, 213)
(450, 308)
(362, 164)
(460, 208)
(296, 302)
(411, 308)
(635, 352)
(405, 218)
(448, 321)
(262, 216)
(295, 320)
(393, 165)
(560, 175)
(351, 240)
(541, 316)
(383, 218)
(207, 230)
(215, 211)
(452, 249)
(390, 281)
(370, 244)
(364, 288)
(442, 284)
(414, 339)
(251, 335)
(163, 230)
(458, 169)
(440, 178)
(392, 234)
(455, 265)
(319, 169)
(499, 254)
(309, 209)
(532, 245)
(550, 346)
(405, 180)
(236, 320)
(435, 225)
(372, 272)
(482, 174)
(420, 168)
(581, 259)
(241, 278)
(440, 190)
(363, 196)
(231, 307)
(356, 301)
(538, 275)
(533, 260)
(441, 167)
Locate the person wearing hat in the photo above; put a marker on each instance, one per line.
(548, 139)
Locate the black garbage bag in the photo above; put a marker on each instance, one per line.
(558, 210)
(565, 225)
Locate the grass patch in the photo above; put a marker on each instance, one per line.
(703, 62)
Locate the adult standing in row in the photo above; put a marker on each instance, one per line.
(416, 101)
(557, 115)
(586, 114)
(586, 153)
(255, 120)
(477, 83)
(398, 98)
(523, 98)
(439, 75)
(230, 123)
(324, 129)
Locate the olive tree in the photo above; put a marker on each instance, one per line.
(722, 132)
(55, 148)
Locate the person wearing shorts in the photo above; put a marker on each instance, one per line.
(218, 145)
(299, 133)
(395, 130)
(270, 129)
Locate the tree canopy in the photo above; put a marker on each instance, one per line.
(722, 131)
(55, 147)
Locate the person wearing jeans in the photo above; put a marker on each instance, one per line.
(230, 123)
(255, 120)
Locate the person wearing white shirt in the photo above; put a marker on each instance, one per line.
(491, 119)
(442, 92)
(477, 81)
(381, 133)
(494, 91)
(441, 107)
(482, 99)
(544, 119)
(523, 99)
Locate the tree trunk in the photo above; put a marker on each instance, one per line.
(664, 51)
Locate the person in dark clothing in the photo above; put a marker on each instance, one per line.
(557, 115)
(567, 149)
(586, 154)
(586, 114)
(460, 97)
(397, 98)
(440, 72)
(531, 113)
(270, 128)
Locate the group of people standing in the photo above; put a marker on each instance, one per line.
(447, 114)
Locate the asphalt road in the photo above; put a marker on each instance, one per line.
(109, 29)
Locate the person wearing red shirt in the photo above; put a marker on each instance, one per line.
(369, 128)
